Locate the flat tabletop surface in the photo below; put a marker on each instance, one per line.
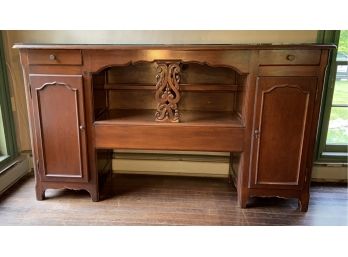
(173, 46)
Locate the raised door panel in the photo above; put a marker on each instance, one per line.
(59, 125)
(284, 109)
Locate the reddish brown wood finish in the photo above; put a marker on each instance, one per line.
(40, 185)
(284, 108)
(298, 70)
(183, 87)
(304, 195)
(55, 57)
(132, 136)
(185, 47)
(60, 127)
(289, 57)
(168, 92)
(228, 93)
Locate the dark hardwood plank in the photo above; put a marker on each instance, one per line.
(167, 200)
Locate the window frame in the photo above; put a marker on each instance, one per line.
(6, 110)
(325, 152)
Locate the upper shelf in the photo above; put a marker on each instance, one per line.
(172, 46)
(183, 87)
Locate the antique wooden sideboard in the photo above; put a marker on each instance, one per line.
(260, 103)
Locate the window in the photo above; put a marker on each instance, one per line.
(8, 149)
(333, 141)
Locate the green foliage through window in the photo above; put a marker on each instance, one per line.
(343, 44)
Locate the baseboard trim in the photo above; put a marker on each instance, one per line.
(172, 164)
(198, 164)
(15, 172)
(166, 173)
(329, 173)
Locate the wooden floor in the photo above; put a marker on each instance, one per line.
(167, 200)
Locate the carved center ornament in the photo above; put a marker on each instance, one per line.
(167, 91)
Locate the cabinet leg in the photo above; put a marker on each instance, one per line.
(40, 193)
(94, 195)
(243, 200)
(303, 202)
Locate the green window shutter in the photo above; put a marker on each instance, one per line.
(338, 152)
(6, 110)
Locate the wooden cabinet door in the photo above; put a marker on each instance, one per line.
(59, 127)
(282, 123)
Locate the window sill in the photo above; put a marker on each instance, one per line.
(3, 157)
(333, 158)
(330, 164)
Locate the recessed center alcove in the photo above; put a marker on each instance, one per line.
(209, 95)
(210, 110)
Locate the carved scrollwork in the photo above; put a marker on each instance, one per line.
(167, 92)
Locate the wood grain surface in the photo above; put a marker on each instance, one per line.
(163, 200)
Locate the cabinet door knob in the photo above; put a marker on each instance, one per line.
(82, 127)
(290, 57)
(257, 133)
(52, 57)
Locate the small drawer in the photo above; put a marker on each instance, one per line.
(289, 57)
(55, 57)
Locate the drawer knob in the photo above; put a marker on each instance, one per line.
(82, 127)
(52, 57)
(290, 57)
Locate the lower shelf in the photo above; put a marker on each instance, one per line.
(187, 118)
(197, 131)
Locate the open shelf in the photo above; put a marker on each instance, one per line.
(183, 87)
(136, 129)
(187, 118)
(210, 107)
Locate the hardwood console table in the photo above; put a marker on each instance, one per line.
(259, 102)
